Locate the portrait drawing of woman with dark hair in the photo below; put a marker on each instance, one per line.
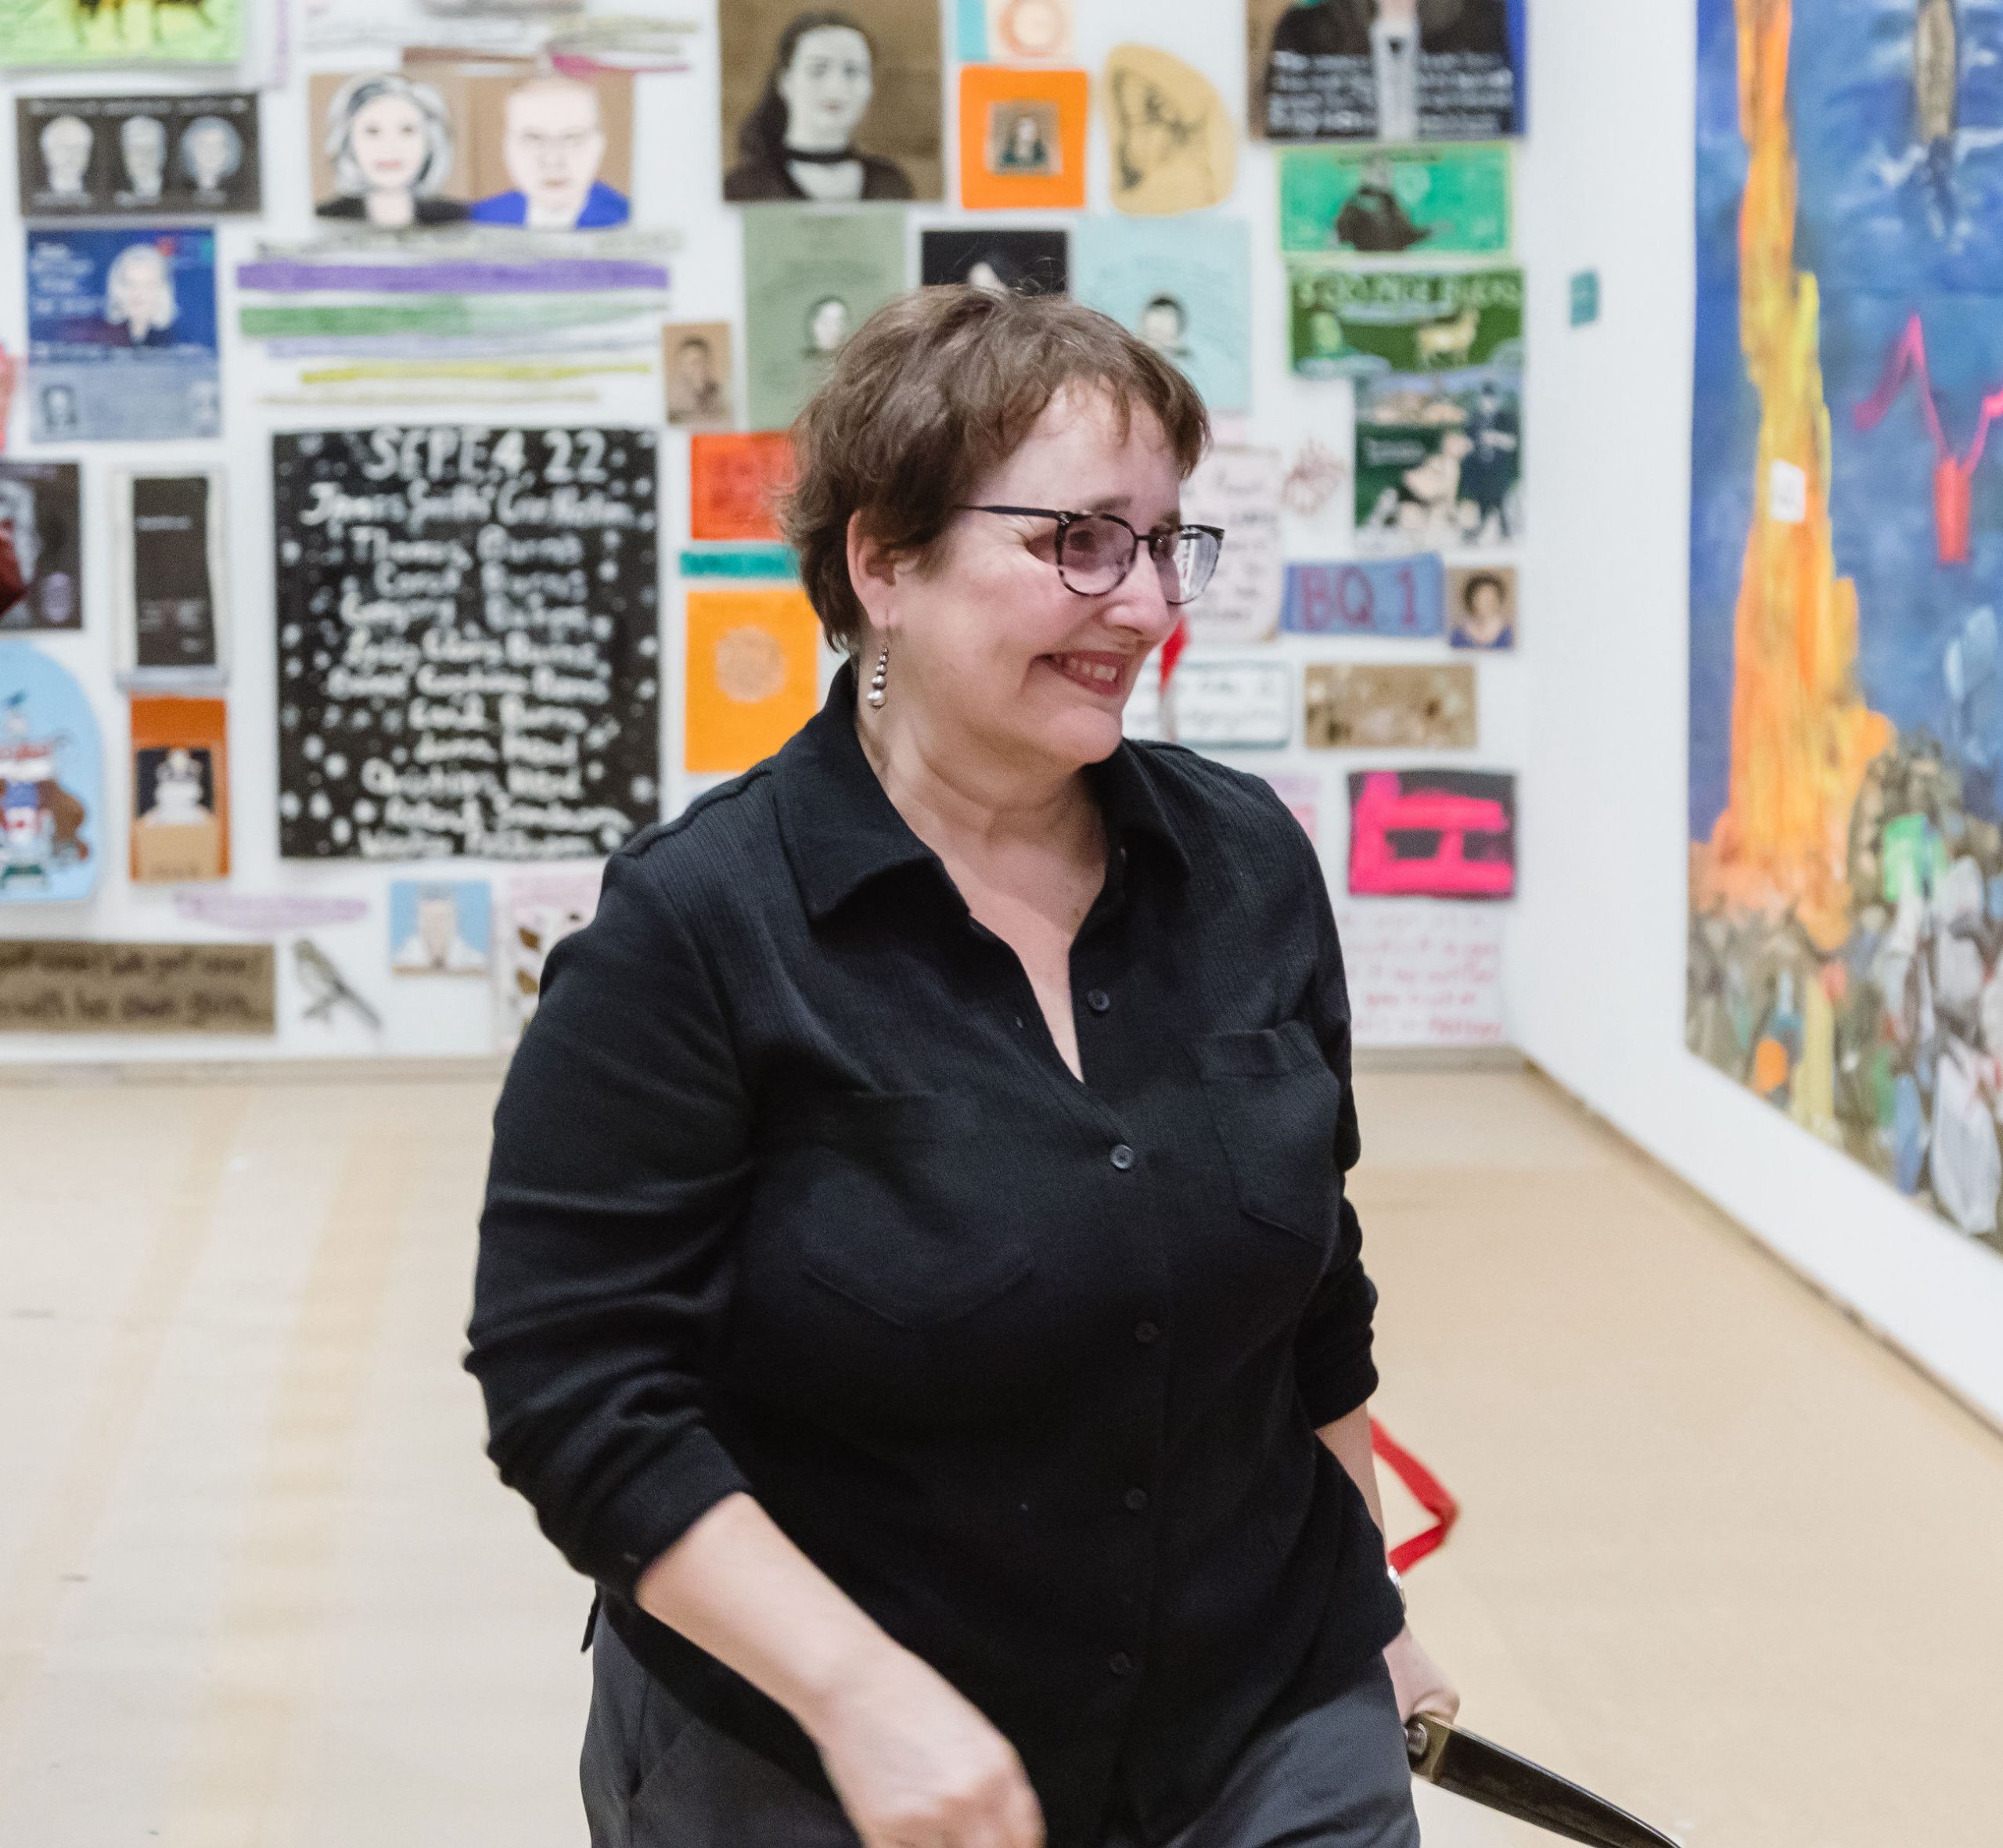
(799, 140)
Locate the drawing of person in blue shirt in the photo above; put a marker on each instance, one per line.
(553, 144)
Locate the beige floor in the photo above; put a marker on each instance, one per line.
(1721, 1555)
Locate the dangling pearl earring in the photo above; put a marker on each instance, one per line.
(877, 680)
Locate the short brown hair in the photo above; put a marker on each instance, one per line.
(933, 391)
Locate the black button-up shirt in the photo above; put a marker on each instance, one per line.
(793, 1193)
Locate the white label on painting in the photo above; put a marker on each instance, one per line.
(1787, 493)
(1238, 489)
(1423, 975)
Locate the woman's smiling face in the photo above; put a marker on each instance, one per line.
(388, 141)
(826, 86)
(991, 641)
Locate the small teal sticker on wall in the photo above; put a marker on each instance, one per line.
(972, 33)
(1585, 298)
(740, 561)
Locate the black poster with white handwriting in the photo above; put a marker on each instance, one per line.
(468, 659)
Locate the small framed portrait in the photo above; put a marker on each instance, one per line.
(1481, 608)
(1032, 262)
(441, 927)
(390, 148)
(1022, 138)
(41, 553)
(696, 364)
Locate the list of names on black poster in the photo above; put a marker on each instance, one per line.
(468, 659)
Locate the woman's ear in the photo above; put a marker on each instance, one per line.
(873, 571)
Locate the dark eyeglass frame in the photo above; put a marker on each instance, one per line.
(1160, 544)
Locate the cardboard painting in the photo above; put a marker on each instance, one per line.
(1174, 147)
(811, 279)
(51, 780)
(167, 588)
(122, 334)
(1481, 607)
(180, 791)
(41, 549)
(1432, 834)
(468, 660)
(138, 156)
(1383, 70)
(390, 148)
(1216, 705)
(71, 988)
(87, 32)
(1183, 286)
(1346, 322)
(752, 672)
(697, 372)
(1237, 487)
(439, 141)
(1384, 202)
(1023, 139)
(1402, 597)
(441, 927)
(1422, 975)
(1033, 262)
(858, 92)
(733, 484)
(1438, 462)
(541, 909)
(1353, 706)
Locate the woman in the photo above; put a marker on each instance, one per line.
(390, 140)
(799, 142)
(915, 1265)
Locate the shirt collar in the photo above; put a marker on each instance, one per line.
(841, 830)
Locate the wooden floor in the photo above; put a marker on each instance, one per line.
(1722, 1556)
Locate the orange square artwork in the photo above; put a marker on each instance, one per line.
(732, 480)
(1022, 138)
(750, 674)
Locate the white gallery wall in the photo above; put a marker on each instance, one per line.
(1598, 959)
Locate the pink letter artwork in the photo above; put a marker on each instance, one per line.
(1432, 834)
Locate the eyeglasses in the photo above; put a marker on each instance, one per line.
(1094, 552)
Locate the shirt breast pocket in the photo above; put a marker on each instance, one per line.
(907, 1213)
(1276, 1105)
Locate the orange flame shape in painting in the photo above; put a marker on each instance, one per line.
(1801, 734)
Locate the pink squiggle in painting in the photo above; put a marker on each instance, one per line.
(1954, 476)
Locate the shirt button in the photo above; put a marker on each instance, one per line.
(1146, 1333)
(1123, 1157)
(1137, 1500)
(1098, 1000)
(1122, 1663)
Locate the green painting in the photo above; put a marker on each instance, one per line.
(1347, 322)
(811, 278)
(58, 32)
(1379, 202)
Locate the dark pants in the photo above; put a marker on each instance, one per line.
(656, 1777)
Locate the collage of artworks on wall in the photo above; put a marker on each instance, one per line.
(480, 275)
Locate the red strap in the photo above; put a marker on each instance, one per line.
(1426, 1490)
(1171, 651)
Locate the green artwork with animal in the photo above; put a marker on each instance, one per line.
(1346, 322)
(53, 33)
(1383, 202)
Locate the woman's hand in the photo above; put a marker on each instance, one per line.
(1417, 1680)
(917, 1765)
